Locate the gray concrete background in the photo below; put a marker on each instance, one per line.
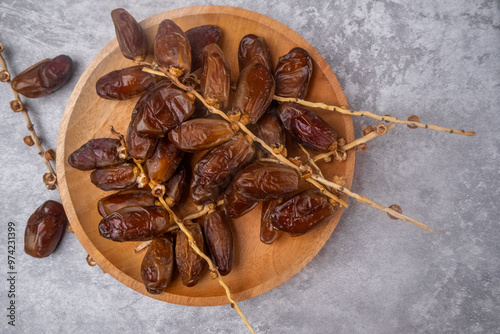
(437, 59)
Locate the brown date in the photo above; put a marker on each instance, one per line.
(125, 83)
(253, 49)
(307, 128)
(270, 129)
(172, 48)
(123, 199)
(175, 185)
(215, 169)
(215, 77)
(138, 147)
(164, 161)
(268, 234)
(254, 93)
(45, 229)
(199, 37)
(235, 204)
(158, 265)
(115, 177)
(200, 134)
(135, 223)
(189, 263)
(131, 38)
(293, 74)
(162, 109)
(263, 181)
(219, 240)
(96, 153)
(44, 77)
(302, 212)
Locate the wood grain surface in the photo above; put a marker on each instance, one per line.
(258, 267)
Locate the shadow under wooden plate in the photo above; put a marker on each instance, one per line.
(258, 267)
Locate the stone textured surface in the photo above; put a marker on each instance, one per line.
(437, 59)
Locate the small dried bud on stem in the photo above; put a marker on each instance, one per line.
(90, 261)
(4, 76)
(28, 141)
(413, 118)
(16, 106)
(367, 129)
(50, 155)
(50, 180)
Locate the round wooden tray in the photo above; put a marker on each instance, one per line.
(258, 267)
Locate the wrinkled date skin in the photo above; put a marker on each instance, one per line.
(270, 129)
(174, 187)
(219, 240)
(200, 134)
(189, 264)
(199, 37)
(262, 181)
(302, 212)
(115, 177)
(235, 204)
(131, 38)
(164, 161)
(44, 77)
(293, 74)
(161, 110)
(253, 49)
(254, 93)
(125, 83)
(124, 199)
(135, 223)
(96, 153)
(45, 229)
(215, 169)
(139, 147)
(307, 128)
(215, 77)
(172, 48)
(268, 234)
(158, 265)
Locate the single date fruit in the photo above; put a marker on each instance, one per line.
(45, 229)
(97, 153)
(158, 265)
(172, 48)
(253, 49)
(189, 263)
(219, 240)
(131, 38)
(293, 74)
(115, 177)
(44, 77)
(199, 37)
(124, 199)
(125, 83)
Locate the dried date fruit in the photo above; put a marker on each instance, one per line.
(124, 199)
(215, 80)
(45, 229)
(135, 223)
(131, 38)
(189, 263)
(254, 93)
(263, 181)
(164, 161)
(200, 134)
(115, 177)
(96, 153)
(125, 83)
(307, 128)
(219, 241)
(199, 37)
(270, 129)
(302, 212)
(44, 77)
(139, 148)
(158, 265)
(253, 49)
(174, 187)
(235, 204)
(162, 109)
(215, 169)
(172, 48)
(268, 234)
(293, 74)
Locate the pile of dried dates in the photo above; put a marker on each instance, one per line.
(168, 126)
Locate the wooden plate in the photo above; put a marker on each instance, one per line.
(257, 267)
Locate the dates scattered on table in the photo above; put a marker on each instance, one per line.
(206, 157)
